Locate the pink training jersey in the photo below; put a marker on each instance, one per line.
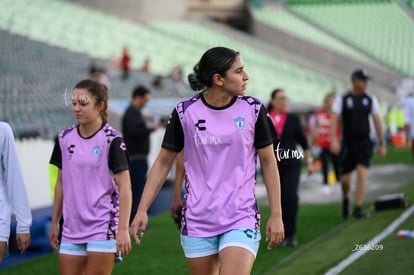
(220, 162)
(90, 194)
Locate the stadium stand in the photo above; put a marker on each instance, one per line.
(379, 28)
(61, 25)
(35, 77)
(281, 18)
(164, 51)
(266, 71)
(32, 83)
(328, 60)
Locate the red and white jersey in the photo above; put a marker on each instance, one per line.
(323, 124)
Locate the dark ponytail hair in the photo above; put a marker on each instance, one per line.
(272, 96)
(97, 90)
(214, 61)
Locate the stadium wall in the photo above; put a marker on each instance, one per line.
(34, 156)
(139, 11)
(217, 8)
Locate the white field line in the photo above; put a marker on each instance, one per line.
(377, 239)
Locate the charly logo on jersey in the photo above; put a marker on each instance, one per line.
(200, 125)
(239, 122)
(97, 150)
(123, 146)
(71, 151)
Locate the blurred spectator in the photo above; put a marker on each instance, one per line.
(409, 119)
(394, 120)
(101, 76)
(125, 63)
(146, 66)
(136, 133)
(13, 194)
(291, 134)
(158, 82)
(321, 137)
(178, 82)
(92, 67)
(113, 66)
(177, 74)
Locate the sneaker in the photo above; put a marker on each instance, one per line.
(326, 190)
(345, 209)
(359, 214)
(289, 242)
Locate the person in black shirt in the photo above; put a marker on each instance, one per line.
(354, 108)
(137, 139)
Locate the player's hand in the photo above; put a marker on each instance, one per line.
(23, 241)
(53, 236)
(275, 232)
(123, 242)
(176, 204)
(382, 150)
(335, 147)
(138, 224)
(311, 168)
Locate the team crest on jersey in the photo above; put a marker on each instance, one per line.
(349, 102)
(239, 122)
(97, 150)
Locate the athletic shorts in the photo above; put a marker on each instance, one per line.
(195, 247)
(355, 153)
(105, 246)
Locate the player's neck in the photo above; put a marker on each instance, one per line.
(89, 129)
(217, 99)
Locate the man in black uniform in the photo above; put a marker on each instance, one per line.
(136, 134)
(353, 109)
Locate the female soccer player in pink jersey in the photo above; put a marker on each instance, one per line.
(222, 131)
(93, 189)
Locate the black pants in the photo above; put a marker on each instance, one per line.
(325, 155)
(289, 183)
(138, 172)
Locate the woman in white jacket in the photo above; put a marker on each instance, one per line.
(12, 194)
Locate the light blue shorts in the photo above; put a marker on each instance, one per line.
(105, 246)
(195, 247)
